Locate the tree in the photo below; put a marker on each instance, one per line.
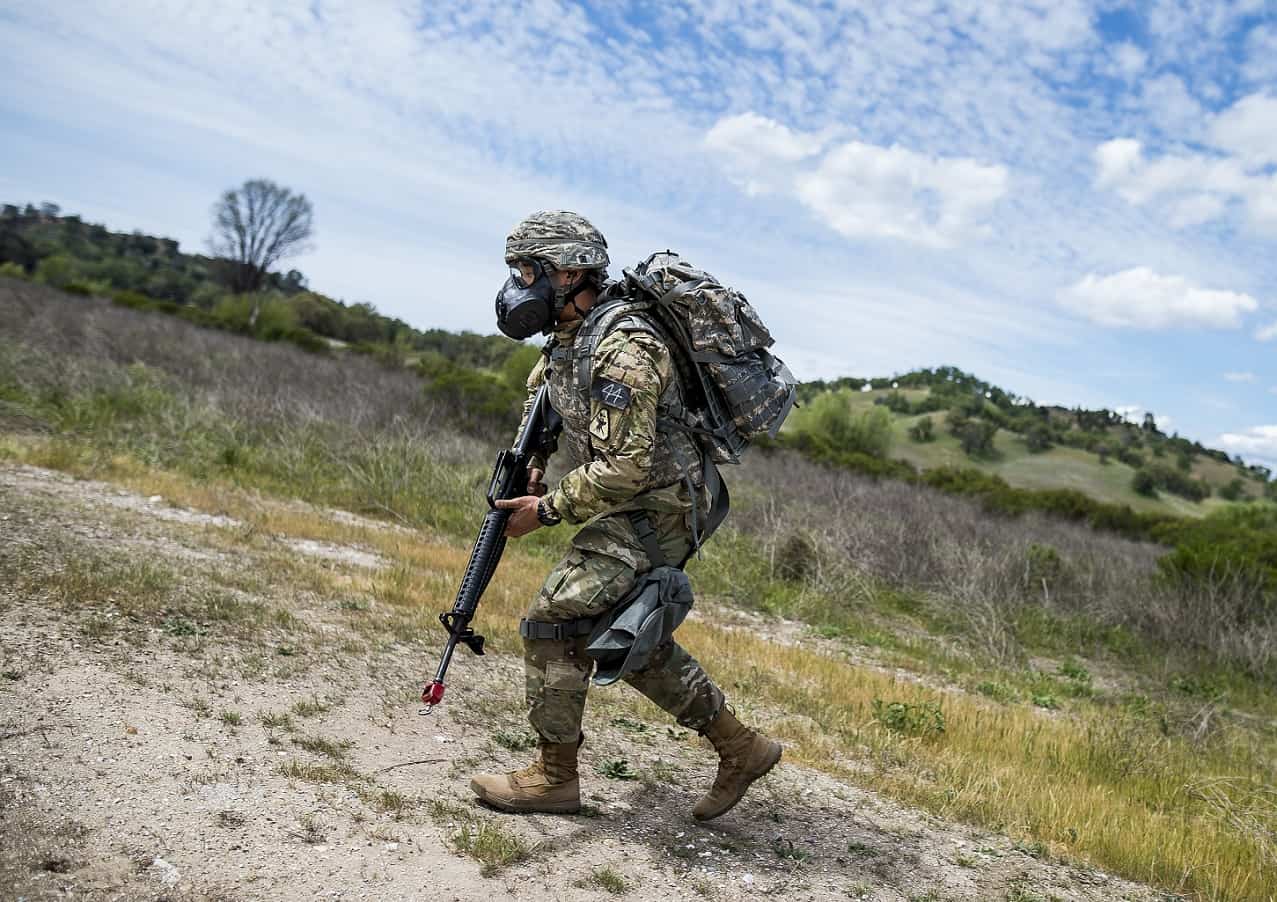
(255, 226)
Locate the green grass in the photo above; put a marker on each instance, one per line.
(606, 878)
(1059, 467)
(328, 748)
(485, 839)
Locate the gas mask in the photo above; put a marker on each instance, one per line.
(526, 307)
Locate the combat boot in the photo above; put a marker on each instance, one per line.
(744, 756)
(549, 785)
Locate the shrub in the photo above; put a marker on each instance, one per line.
(131, 299)
(1232, 491)
(1042, 566)
(1038, 439)
(827, 420)
(796, 557)
(57, 270)
(923, 430)
(12, 270)
(1172, 480)
(896, 402)
(1144, 484)
(910, 718)
(976, 437)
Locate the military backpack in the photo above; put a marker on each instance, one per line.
(734, 389)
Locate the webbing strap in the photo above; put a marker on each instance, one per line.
(647, 536)
(546, 629)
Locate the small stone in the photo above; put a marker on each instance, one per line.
(155, 499)
(165, 872)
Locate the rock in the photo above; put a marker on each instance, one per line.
(165, 872)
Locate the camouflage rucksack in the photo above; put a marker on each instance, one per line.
(735, 389)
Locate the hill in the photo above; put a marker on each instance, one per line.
(246, 551)
(970, 423)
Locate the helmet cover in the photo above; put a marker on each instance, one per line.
(561, 238)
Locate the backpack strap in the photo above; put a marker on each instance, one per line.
(622, 312)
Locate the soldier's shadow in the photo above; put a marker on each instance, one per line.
(770, 835)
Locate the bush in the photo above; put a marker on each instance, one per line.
(924, 719)
(827, 421)
(1232, 491)
(976, 437)
(1038, 439)
(896, 402)
(131, 299)
(923, 430)
(58, 270)
(1144, 484)
(12, 270)
(1172, 480)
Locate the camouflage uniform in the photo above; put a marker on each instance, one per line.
(620, 462)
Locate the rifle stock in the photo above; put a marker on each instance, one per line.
(509, 480)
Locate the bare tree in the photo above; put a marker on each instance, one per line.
(256, 225)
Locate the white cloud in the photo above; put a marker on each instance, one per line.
(1248, 130)
(1239, 377)
(1196, 188)
(1174, 110)
(861, 190)
(1142, 299)
(1258, 441)
(758, 151)
(1261, 55)
(1267, 333)
(864, 191)
(1128, 59)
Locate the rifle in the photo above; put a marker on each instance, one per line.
(509, 480)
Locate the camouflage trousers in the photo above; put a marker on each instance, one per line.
(600, 569)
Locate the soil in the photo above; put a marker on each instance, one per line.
(135, 764)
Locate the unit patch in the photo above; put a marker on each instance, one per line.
(600, 425)
(611, 393)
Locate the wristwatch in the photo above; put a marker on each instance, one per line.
(546, 513)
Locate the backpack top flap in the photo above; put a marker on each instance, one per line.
(727, 342)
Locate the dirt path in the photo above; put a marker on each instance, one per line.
(244, 738)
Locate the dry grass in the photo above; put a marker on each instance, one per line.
(220, 425)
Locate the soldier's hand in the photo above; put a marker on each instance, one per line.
(523, 516)
(535, 485)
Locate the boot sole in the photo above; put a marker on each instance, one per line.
(780, 750)
(515, 807)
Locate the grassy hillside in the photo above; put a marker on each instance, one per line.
(1105, 478)
(1026, 674)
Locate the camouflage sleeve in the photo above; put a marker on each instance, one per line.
(630, 371)
(535, 379)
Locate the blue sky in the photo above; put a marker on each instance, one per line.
(1076, 200)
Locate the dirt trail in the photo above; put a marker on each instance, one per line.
(147, 761)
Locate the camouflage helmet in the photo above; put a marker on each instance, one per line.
(561, 238)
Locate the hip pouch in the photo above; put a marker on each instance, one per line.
(624, 639)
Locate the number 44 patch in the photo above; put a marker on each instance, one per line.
(609, 394)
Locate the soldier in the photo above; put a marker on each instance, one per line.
(628, 477)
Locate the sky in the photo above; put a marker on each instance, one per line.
(1075, 200)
